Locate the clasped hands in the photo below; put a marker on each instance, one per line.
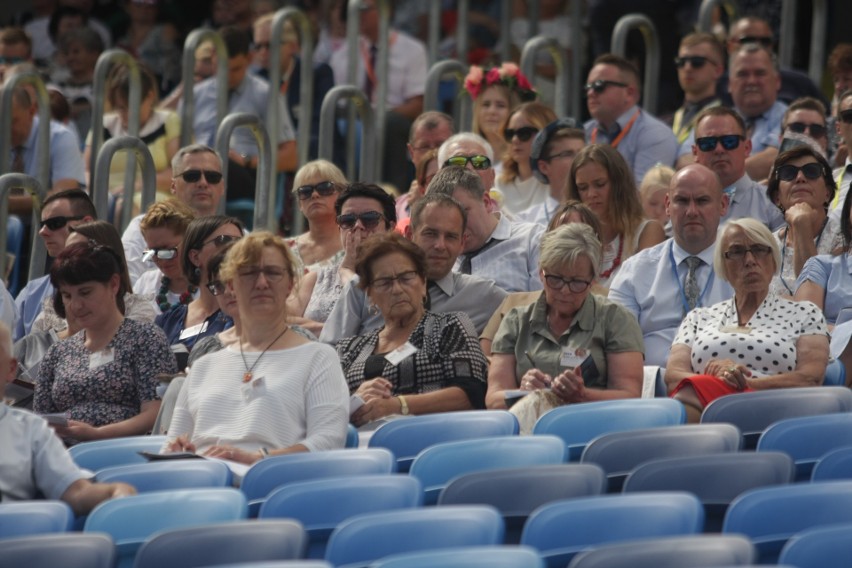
(568, 385)
(378, 401)
(230, 453)
(736, 375)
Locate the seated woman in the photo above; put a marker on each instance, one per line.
(802, 187)
(579, 346)
(103, 378)
(419, 362)
(274, 392)
(756, 340)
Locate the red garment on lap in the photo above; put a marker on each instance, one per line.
(708, 388)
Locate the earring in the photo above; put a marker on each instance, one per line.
(374, 309)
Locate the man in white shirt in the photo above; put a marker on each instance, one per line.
(662, 283)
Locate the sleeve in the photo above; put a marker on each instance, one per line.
(533, 255)
(688, 330)
(417, 69)
(66, 161)
(183, 423)
(53, 468)
(660, 146)
(346, 316)
(465, 365)
(508, 333)
(152, 358)
(817, 270)
(622, 291)
(811, 319)
(8, 310)
(623, 333)
(43, 397)
(134, 243)
(327, 403)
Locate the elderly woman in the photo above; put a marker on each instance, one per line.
(419, 362)
(756, 340)
(272, 393)
(802, 187)
(103, 378)
(579, 346)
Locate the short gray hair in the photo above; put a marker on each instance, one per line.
(566, 243)
(451, 178)
(444, 150)
(177, 161)
(756, 232)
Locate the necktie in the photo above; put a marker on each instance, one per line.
(690, 286)
(18, 159)
(466, 267)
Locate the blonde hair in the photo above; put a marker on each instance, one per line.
(172, 214)
(657, 178)
(756, 232)
(249, 249)
(323, 169)
(511, 97)
(565, 244)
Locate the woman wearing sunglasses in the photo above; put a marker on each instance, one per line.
(521, 190)
(185, 324)
(362, 210)
(801, 185)
(317, 185)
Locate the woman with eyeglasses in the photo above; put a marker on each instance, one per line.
(362, 210)
(185, 324)
(801, 185)
(103, 379)
(317, 185)
(271, 391)
(419, 362)
(757, 339)
(520, 189)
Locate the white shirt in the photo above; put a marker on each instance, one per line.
(134, 246)
(521, 195)
(541, 213)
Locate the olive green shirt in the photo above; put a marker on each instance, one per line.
(600, 327)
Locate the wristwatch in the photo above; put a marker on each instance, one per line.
(403, 405)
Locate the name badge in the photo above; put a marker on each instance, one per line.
(400, 353)
(193, 331)
(101, 358)
(253, 389)
(573, 356)
(744, 329)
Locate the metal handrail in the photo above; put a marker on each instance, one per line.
(462, 104)
(577, 47)
(43, 100)
(264, 197)
(137, 149)
(652, 53)
(360, 103)
(38, 252)
(193, 40)
(528, 57)
(434, 31)
(462, 28)
(787, 37)
(705, 13)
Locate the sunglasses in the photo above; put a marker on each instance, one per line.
(523, 133)
(764, 41)
(192, 176)
(323, 188)
(601, 85)
(369, 219)
(159, 254)
(56, 223)
(216, 287)
(695, 61)
(846, 116)
(789, 172)
(479, 162)
(728, 141)
(221, 240)
(816, 130)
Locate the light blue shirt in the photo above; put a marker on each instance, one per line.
(29, 303)
(767, 128)
(834, 275)
(647, 287)
(8, 310)
(648, 143)
(750, 200)
(541, 213)
(66, 161)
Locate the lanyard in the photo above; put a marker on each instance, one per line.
(676, 276)
(621, 134)
(838, 182)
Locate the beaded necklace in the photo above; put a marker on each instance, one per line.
(163, 300)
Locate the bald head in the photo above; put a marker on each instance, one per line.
(695, 204)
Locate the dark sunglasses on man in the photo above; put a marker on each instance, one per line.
(323, 189)
(695, 61)
(728, 141)
(762, 40)
(814, 130)
(601, 85)
(192, 176)
(56, 223)
(479, 162)
(369, 219)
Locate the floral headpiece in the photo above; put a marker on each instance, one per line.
(507, 75)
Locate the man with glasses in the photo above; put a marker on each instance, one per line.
(612, 97)
(60, 213)
(659, 285)
(428, 132)
(470, 151)
(806, 116)
(843, 174)
(721, 145)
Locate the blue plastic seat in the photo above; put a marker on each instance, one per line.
(437, 465)
(267, 475)
(562, 529)
(517, 492)
(24, 518)
(352, 438)
(468, 557)
(716, 479)
(677, 551)
(407, 437)
(823, 547)
(807, 439)
(753, 412)
(620, 452)
(101, 454)
(132, 520)
(321, 505)
(15, 245)
(165, 475)
(280, 564)
(578, 424)
(208, 545)
(771, 515)
(834, 465)
(363, 539)
(835, 374)
(71, 550)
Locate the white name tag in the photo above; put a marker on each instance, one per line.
(193, 331)
(101, 358)
(573, 356)
(253, 389)
(744, 329)
(400, 353)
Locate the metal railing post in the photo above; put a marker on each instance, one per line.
(786, 41)
(462, 104)
(787, 37)
(652, 53)
(38, 253)
(505, 31)
(462, 29)
(381, 110)
(193, 40)
(264, 197)
(358, 103)
(434, 31)
(528, 57)
(138, 156)
(353, 44)
(43, 149)
(705, 13)
(577, 53)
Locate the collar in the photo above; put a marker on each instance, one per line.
(447, 284)
(733, 189)
(680, 255)
(584, 318)
(503, 230)
(625, 118)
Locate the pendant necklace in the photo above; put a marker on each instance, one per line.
(247, 376)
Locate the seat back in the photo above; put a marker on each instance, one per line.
(835, 374)
(823, 547)
(716, 479)
(807, 439)
(753, 412)
(321, 505)
(352, 438)
(409, 436)
(517, 492)
(578, 424)
(467, 557)
(562, 529)
(67, 550)
(166, 475)
(24, 518)
(834, 465)
(15, 245)
(208, 545)
(620, 452)
(771, 515)
(363, 539)
(437, 465)
(682, 551)
(101, 454)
